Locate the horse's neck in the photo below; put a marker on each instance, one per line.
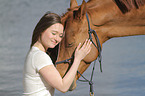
(109, 20)
(103, 12)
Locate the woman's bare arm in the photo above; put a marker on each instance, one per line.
(52, 76)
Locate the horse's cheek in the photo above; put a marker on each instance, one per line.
(91, 57)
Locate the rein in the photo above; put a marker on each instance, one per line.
(98, 46)
(97, 42)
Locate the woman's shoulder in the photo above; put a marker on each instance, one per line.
(38, 53)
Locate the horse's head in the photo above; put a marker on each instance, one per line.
(106, 19)
(76, 31)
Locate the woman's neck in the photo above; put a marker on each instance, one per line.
(40, 46)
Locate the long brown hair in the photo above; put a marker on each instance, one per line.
(45, 22)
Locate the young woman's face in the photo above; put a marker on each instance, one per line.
(52, 36)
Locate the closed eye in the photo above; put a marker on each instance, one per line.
(53, 33)
(70, 44)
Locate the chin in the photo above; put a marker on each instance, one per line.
(52, 46)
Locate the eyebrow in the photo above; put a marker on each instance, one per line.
(57, 31)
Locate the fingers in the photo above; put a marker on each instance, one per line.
(81, 52)
(79, 46)
(86, 46)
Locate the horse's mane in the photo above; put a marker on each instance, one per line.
(127, 5)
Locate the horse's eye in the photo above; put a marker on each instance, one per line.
(70, 44)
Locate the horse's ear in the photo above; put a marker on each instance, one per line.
(81, 11)
(73, 4)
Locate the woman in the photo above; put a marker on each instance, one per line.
(40, 75)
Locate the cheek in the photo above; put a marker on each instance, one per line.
(59, 40)
(45, 38)
(48, 35)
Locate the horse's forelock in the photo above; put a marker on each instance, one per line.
(64, 18)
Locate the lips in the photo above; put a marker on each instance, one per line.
(54, 42)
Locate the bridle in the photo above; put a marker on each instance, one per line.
(98, 46)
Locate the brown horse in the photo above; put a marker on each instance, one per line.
(109, 18)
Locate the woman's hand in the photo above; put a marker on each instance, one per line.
(81, 52)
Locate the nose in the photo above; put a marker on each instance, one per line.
(57, 38)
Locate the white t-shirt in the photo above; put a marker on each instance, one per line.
(33, 82)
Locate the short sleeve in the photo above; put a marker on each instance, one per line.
(40, 60)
